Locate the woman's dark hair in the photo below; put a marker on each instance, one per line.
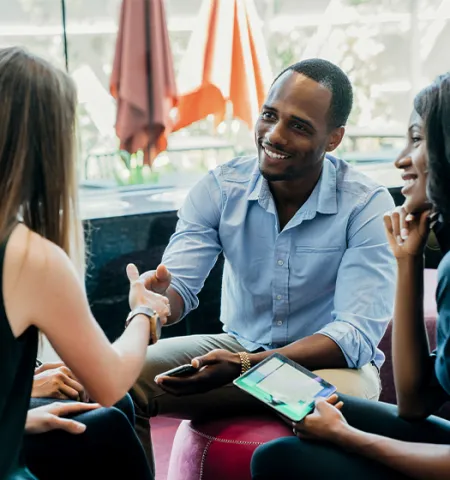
(433, 105)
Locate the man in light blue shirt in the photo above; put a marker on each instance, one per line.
(308, 271)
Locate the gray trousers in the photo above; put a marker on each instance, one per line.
(150, 400)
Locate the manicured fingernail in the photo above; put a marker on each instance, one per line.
(81, 427)
(409, 217)
(158, 380)
(404, 233)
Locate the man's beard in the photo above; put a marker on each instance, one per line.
(288, 174)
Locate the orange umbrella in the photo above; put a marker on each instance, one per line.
(226, 60)
(143, 79)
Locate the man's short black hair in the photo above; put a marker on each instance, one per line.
(333, 78)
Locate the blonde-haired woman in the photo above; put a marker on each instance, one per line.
(42, 256)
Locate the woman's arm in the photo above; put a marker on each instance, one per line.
(412, 364)
(42, 288)
(417, 460)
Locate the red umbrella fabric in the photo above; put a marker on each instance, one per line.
(143, 78)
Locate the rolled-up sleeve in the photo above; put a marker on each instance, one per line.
(194, 247)
(365, 285)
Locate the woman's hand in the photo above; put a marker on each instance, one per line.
(141, 296)
(49, 417)
(324, 423)
(55, 380)
(407, 233)
(215, 369)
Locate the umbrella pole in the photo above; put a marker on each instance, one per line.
(148, 59)
(66, 49)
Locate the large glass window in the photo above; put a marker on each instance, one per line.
(36, 25)
(390, 48)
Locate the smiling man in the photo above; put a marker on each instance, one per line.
(308, 272)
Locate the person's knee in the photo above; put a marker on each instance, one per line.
(114, 421)
(275, 459)
(263, 464)
(362, 383)
(125, 405)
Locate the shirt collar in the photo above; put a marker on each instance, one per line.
(324, 195)
(256, 183)
(327, 187)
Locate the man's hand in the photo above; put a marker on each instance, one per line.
(215, 369)
(324, 423)
(48, 417)
(158, 280)
(55, 380)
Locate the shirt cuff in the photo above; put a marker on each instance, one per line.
(351, 342)
(190, 302)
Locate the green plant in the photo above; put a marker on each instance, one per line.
(133, 171)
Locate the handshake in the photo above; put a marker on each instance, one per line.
(149, 291)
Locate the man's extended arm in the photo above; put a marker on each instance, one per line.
(192, 251)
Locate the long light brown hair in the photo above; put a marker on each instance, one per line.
(38, 181)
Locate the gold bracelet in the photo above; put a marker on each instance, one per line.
(245, 362)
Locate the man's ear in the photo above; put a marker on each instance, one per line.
(335, 138)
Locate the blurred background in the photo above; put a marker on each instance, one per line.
(389, 48)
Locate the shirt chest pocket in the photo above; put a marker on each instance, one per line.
(315, 268)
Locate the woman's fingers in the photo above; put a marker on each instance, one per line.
(388, 222)
(69, 392)
(404, 228)
(396, 228)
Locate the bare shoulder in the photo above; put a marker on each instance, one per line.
(33, 268)
(28, 253)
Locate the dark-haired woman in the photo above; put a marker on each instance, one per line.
(370, 440)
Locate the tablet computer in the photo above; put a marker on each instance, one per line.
(285, 386)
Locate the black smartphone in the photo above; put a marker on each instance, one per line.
(181, 371)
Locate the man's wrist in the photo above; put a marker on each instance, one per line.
(245, 364)
(256, 358)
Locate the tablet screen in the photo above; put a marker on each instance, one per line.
(285, 386)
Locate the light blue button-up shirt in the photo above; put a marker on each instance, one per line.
(329, 271)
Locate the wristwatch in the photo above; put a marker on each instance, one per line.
(148, 312)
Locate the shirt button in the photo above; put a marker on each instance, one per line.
(280, 262)
(279, 297)
(280, 322)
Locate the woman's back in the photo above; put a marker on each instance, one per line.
(17, 361)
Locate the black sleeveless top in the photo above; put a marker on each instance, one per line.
(17, 362)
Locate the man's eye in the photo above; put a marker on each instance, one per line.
(416, 140)
(299, 126)
(267, 115)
